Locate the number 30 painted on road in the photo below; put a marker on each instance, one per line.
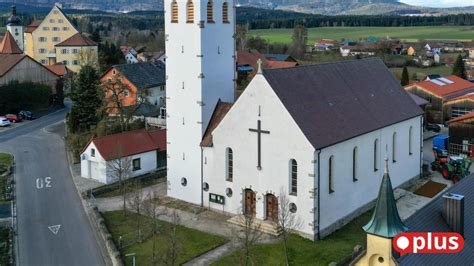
(43, 182)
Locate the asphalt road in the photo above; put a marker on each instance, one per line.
(44, 202)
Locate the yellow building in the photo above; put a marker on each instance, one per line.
(384, 225)
(411, 51)
(46, 40)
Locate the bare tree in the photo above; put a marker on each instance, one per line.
(136, 203)
(115, 94)
(248, 236)
(287, 221)
(172, 251)
(241, 37)
(88, 56)
(120, 169)
(151, 207)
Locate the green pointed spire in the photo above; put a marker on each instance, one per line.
(385, 219)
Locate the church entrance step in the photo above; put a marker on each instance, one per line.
(267, 227)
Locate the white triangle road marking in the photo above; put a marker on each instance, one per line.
(54, 228)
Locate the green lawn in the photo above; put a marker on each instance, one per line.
(191, 242)
(423, 72)
(5, 159)
(355, 33)
(114, 189)
(306, 252)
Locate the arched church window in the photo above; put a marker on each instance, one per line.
(174, 12)
(225, 12)
(331, 174)
(394, 147)
(230, 165)
(210, 12)
(190, 11)
(354, 164)
(293, 177)
(410, 141)
(376, 152)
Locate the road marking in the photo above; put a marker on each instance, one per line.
(43, 182)
(54, 228)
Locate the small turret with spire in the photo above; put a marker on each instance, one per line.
(384, 225)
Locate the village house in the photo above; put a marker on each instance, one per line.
(432, 49)
(141, 84)
(411, 51)
(130, 54)
(55, 40)
(439, 92)
(134, 153)
(16, 66)
(461, 134)
(360, 49)
(324, 44)
(247, 62)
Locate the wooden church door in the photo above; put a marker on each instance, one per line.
(250, 202)
(272, 207)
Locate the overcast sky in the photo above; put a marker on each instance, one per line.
(439, 3)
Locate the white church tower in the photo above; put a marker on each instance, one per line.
(200, 70)
(15, 27)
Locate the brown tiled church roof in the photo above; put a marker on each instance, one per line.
(77, 40)
(9, 45)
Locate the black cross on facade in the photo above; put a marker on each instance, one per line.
(259, 132)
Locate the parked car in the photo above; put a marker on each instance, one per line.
(13, 118)
(433, 127)
(4, 122)
(27, 115)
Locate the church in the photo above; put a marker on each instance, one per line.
(316, 133)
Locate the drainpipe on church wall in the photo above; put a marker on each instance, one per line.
(319, 193)
(202, 177)
(421, 147)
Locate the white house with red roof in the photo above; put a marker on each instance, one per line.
(140, 152)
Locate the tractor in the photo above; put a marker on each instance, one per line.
(452, 168)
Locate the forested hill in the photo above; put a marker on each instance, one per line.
(324, 7)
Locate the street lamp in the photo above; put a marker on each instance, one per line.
(133, 257)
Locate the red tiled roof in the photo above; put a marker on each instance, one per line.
(77, 40)
(462, 118)
(279, 64)
(32, 27)
(58, 69)
(458, 88)
(9, 45)
(219, 113)
(130, 143)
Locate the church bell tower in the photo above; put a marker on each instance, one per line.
(200, 70)
(15, 27)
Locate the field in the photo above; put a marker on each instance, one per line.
(464, 33)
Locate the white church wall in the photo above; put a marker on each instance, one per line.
(284, 142)
(348, 196)
(194, 71)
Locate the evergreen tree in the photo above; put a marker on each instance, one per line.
(405, 77)
(459, 68)
(87, 99)
(60, 92)
(95, 36)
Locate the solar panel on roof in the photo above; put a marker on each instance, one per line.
(437, 82)
(447, 81)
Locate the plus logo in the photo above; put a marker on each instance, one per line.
(428, 242)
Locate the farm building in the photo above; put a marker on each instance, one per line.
(438, 92)
(134, 153)
(459, 106)
(16, 66)
(461, 133)
(247, 62)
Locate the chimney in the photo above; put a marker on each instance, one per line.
(453, 212)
